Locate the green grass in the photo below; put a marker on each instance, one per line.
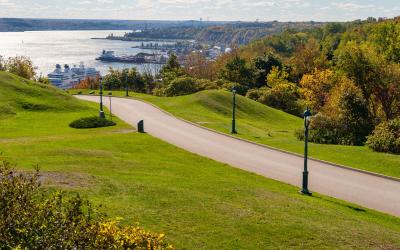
(265, 125)
(197, 202)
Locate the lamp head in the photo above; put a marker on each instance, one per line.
(234, 90)
(307, 115)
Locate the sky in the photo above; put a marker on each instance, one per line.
(218, 10)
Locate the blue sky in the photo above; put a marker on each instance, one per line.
(245, 10)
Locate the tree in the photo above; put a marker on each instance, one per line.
(88, 83)
(171, 70)
(280, 93)
(315, 88)
(307, 58)
(346, 104)
(359, 63)
(197, 66)
(263, 66)
(377, 78)
(21, 66)
(386, 36)
(2, 64)
(236, 70)
(387, 90)
(172, 64)
(113, 79)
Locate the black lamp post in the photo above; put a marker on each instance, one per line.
(233, 131)
(126, 84)
(101, 113)
(109, 95)
(307, 115)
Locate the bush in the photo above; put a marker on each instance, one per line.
(91, 122)
(255, 94)
(181, 86)
(324, 130)
(30, 219)
(283, 97)
(344, 119)
(386, 137)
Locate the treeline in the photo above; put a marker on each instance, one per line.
(227, 34)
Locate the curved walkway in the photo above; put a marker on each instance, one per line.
(364, 189)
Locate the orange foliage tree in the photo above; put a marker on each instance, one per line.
(88, 83)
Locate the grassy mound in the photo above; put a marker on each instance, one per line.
(18, 95)
(91, 122)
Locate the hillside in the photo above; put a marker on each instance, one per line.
(198, 203)
(234, 33)
(18, 95)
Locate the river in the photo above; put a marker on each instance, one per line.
(47, 48)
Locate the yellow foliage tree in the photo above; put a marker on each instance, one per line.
(315, 88)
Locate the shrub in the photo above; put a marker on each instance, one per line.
(282, 96)
(91, 122)
(324, 130)
(255, 94)
(386, 137)
(30, 219)
(181, 86)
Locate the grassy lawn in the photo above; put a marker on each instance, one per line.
(259, 123)
(197, 202)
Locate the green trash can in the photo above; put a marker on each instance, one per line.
(140, 126)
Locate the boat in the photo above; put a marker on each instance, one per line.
(109, 56)
(69, 77)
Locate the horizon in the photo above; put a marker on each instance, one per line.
(206, 10)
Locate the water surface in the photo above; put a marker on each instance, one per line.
(47, 48)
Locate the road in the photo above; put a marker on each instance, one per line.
(364, 189)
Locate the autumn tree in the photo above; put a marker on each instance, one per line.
(308, 57)
(315, 88)
(197, 66)
(88, 83)
(346, 104)
(21, 66)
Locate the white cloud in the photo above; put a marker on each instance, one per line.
(265, 10)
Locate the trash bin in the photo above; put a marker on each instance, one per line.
(140, 126)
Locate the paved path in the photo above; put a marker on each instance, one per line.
(363, 189)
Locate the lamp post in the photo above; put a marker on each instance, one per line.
(307, 115)
(233, 131)
(126, 84)
(109, 95)
(101, 113)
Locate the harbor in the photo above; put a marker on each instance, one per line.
(140, 58)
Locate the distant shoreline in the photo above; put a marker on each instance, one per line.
(143, 39)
